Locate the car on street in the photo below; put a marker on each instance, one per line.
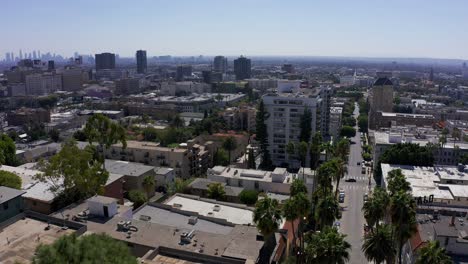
(366, 196)
(358, 163)
(350, 180)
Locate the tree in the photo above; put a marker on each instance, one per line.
(433, 253)
(397, 182)
(74, 169)
(341, 169)
(324, 176)
(306, 125)
(267, 216)
(54, 134)
(342, 149)
(302, 149)
(327, 210)
(378, 245)
(408, 154)
(80, 136)
(327, 246)
(220, 158)
(291, 213)
(248, 197)
(177, 122)
(216, 191)
(297, 186)
(105, 132)
(251, 159)
(11, 180)
(403, 215)
(148, 183)
(291, 150)
(7, 151)
(315, 150)
(375, 208)
(363, 123)
(137, 197)
(230, 144)
(262, 135)
(93, 248)
(48, 102)
(347, 131)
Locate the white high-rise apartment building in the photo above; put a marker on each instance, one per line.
(283, 124)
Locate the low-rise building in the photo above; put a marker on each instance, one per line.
(240, 118)
(11, 202)
(277, 181)
(386, 119)
(200, 187)
(25, 116)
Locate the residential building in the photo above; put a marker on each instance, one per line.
(335, 122)
(220, 64)
(277, 181)
(127, 86)
(105, 61)
(197, 102)
(185, 161)
(11, 202)
(381, 99)
(43, 84)
(200, 187)
(24, 116)
(448, 154)
(142, 64)
(242, 68)
(72, 79)
(184, 88)
(262, 84)
(288, 67)
(284, 122)
(385, 119)
(241, 118)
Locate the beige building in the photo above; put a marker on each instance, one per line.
(240, 118)
(43, 84)
(189, 160)
(381, 99)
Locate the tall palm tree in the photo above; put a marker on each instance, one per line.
(267, 216)
(342, 149)
(297, 186)
(378, 245)
(327, 210)
(230, 144)
(328, 150)
(291, 213)
(324, 176)
(397, 182)
(302, 149)
(148, 184)
(433, 253)
(403, 215)
(328, 246)
(341, 169)
(303, 207)
(291, 150)
(376, 207)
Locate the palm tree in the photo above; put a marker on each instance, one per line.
(267, 216)
(148, 184)
(378, 245)
(303, 207)
(403, 215)
(291, 150)
(342, 149)
(432, 253)
(341, 169)
(328, 150)
(376, 207)
(230, 144)
(297, 186)
(324, 176)
(327, 210)
(291, 213)
(397, 182)
(302, 152)
(315, 148)
(328, 246)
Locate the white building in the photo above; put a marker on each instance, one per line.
(335, 121)
(277, 181)
(43, 84)
(285, 111)
(184, 88)
(288, 86)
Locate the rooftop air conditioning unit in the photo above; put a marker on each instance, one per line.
(217, 208)
(192, 220)
(176, 205)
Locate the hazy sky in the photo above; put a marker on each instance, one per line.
(372, 28)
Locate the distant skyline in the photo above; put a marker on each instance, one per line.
(372, 28)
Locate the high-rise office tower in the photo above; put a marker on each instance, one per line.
(183, 71)
(380, 98)
(242, 68)
(431, 75)
(288, 67)
(34, 54)
(21, 55)
(220, 64)
(142, 64)
(51, 65)
(105, 61)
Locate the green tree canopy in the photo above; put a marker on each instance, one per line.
(230, 144)
(216, 191)
(262, 135)
(248, 197)
(93, 248)
(433, 253)
(267, 215)
(408, 154)
(378, 245)
(347, 131)
(7, 151)
(327, 246)
(74, 169)
(220, 157)
(137, 197)
(297, 186)
(9, 179)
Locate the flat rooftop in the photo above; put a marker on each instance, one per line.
(146, 145)
(249, 174)
(127, 168)
(235, 215)
(19, 240)
(167, 217)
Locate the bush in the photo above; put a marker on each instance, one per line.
(366, 156)
(9, 179)
(137, 197)
(248, 197)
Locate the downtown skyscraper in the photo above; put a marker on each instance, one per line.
(142, 63)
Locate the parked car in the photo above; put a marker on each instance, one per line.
(350, 180)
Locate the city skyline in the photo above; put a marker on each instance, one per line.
(416, 29)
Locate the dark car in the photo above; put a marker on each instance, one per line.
(350, 180)
(358, 163)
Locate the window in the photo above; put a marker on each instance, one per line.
(256, 185)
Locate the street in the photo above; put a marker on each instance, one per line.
(352, 220)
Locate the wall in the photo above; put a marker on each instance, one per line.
(15, 206)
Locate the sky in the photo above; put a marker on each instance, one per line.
(351, 28)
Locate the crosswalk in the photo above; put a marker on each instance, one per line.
(354, 187)
(358, 178)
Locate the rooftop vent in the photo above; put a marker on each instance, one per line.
(192, 220)
(176, 205)
(217, 208)
(145, 218)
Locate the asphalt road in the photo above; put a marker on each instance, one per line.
(352, 221)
